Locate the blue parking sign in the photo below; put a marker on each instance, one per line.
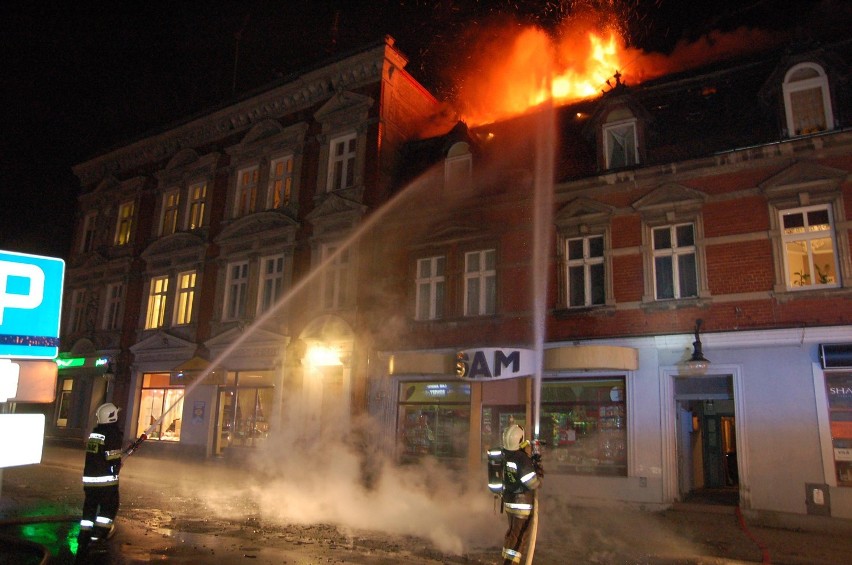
(30, 305)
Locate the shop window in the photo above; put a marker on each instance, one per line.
(675, 268)
(584, 423)
(480, 282)
(434, 419)
(839, 390)
(806, 100)
(585, 271)
(63, 402)
(430, 288)
(160, 407)
(809, 249)
(245, 404)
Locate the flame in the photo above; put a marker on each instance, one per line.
(519, 68)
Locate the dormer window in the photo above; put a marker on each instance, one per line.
(620, 143)
(806, 100)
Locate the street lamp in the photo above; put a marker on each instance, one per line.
(697, 362)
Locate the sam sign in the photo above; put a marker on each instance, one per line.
(492, 364)
(30, 305)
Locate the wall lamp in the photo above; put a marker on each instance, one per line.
(697, 361)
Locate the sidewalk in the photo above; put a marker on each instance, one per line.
(159, 521)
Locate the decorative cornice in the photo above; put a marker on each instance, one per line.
(302, 92)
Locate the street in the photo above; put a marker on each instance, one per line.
(188, 512)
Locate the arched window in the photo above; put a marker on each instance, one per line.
(806, 100)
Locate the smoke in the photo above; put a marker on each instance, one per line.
(348, 479)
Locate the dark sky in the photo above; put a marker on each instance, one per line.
(80, 77)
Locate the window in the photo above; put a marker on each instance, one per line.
(458, 167)
(112, 308)
(271, 282)
(246, 191)
(675, 269)
(480, 283)
(168, 223)
(335, 280)
(245, 405)
(236, 291)
(124, 225)
(87, 243)
(157, 302)
(620, 144)
(806, 100)
(78, 308)
(63, 403)
(585, 425)
(585, 271)
(185, 297)
(430, 288)
(195, 210)
(280, 182)
(341, 162)
(160, 407)
(810, 259)
(434, 419)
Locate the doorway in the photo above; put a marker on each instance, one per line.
(706, 440)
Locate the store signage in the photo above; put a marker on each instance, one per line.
(492, 364)
(30, 304)
(27, 380)
(21, 439)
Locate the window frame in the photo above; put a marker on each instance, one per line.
(195, 205)
(169, 212)
(486, 283)
(348, 161)
(813, 267)
(586, 262)
(275, 279)
(245, 190)
(185, 297)
(676, 252)
(791, 87)
(155, 313)
(607, 132)
(113, 303)
(236, 289)
(285, 178)
(124, 223)
(334, 284)
(89, 232)
(77, 311)
(436, 283)
(174, 411)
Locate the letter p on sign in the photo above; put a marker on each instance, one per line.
(11, 297)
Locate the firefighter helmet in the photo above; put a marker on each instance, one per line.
(107, 413)
(513, 436)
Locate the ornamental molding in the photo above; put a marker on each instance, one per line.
(299, 93)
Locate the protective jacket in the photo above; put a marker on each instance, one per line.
(520, 478)
(103, 456)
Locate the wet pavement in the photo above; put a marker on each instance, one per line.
(166, 517)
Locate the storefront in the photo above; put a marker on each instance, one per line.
(84, 381)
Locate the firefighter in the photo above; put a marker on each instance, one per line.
(100, 478)
(521, 476)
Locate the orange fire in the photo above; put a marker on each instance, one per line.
(520, 69)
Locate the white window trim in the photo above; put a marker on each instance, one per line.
(284, 178)
(240, 189)
(586, 262)
(241, 287)
(165, 208)
(337, 275)
(122, 220)
(274, 276)
(194, 200)
(606, 148)
(831, 233)
(674, 252)
(155, 314)
(434, 280)
(820, 82)
(184, 312)
(78, 310)
(345, 158)
(113, 307)
(482, 275)
(89, 228)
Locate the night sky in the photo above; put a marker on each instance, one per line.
(81, 77)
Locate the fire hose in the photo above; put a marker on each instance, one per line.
(128, 451)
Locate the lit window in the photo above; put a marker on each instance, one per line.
(271, 282)
(810, 258)
(160, 407)
(620, 145)
(237, 291)
(806, 100)
(156, 313)
(433, 416)
(195, 211)
(246, 191)
(112, 310)
(584, 271)
(335, 279)
(124, 224)
(280, 182)
(341, 162)
(185, 297)
(675, 269)
(480, 283)
(430, 288)
(168, 225)
(78, 308)
(87, 242)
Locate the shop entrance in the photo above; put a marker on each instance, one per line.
(706, 440)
